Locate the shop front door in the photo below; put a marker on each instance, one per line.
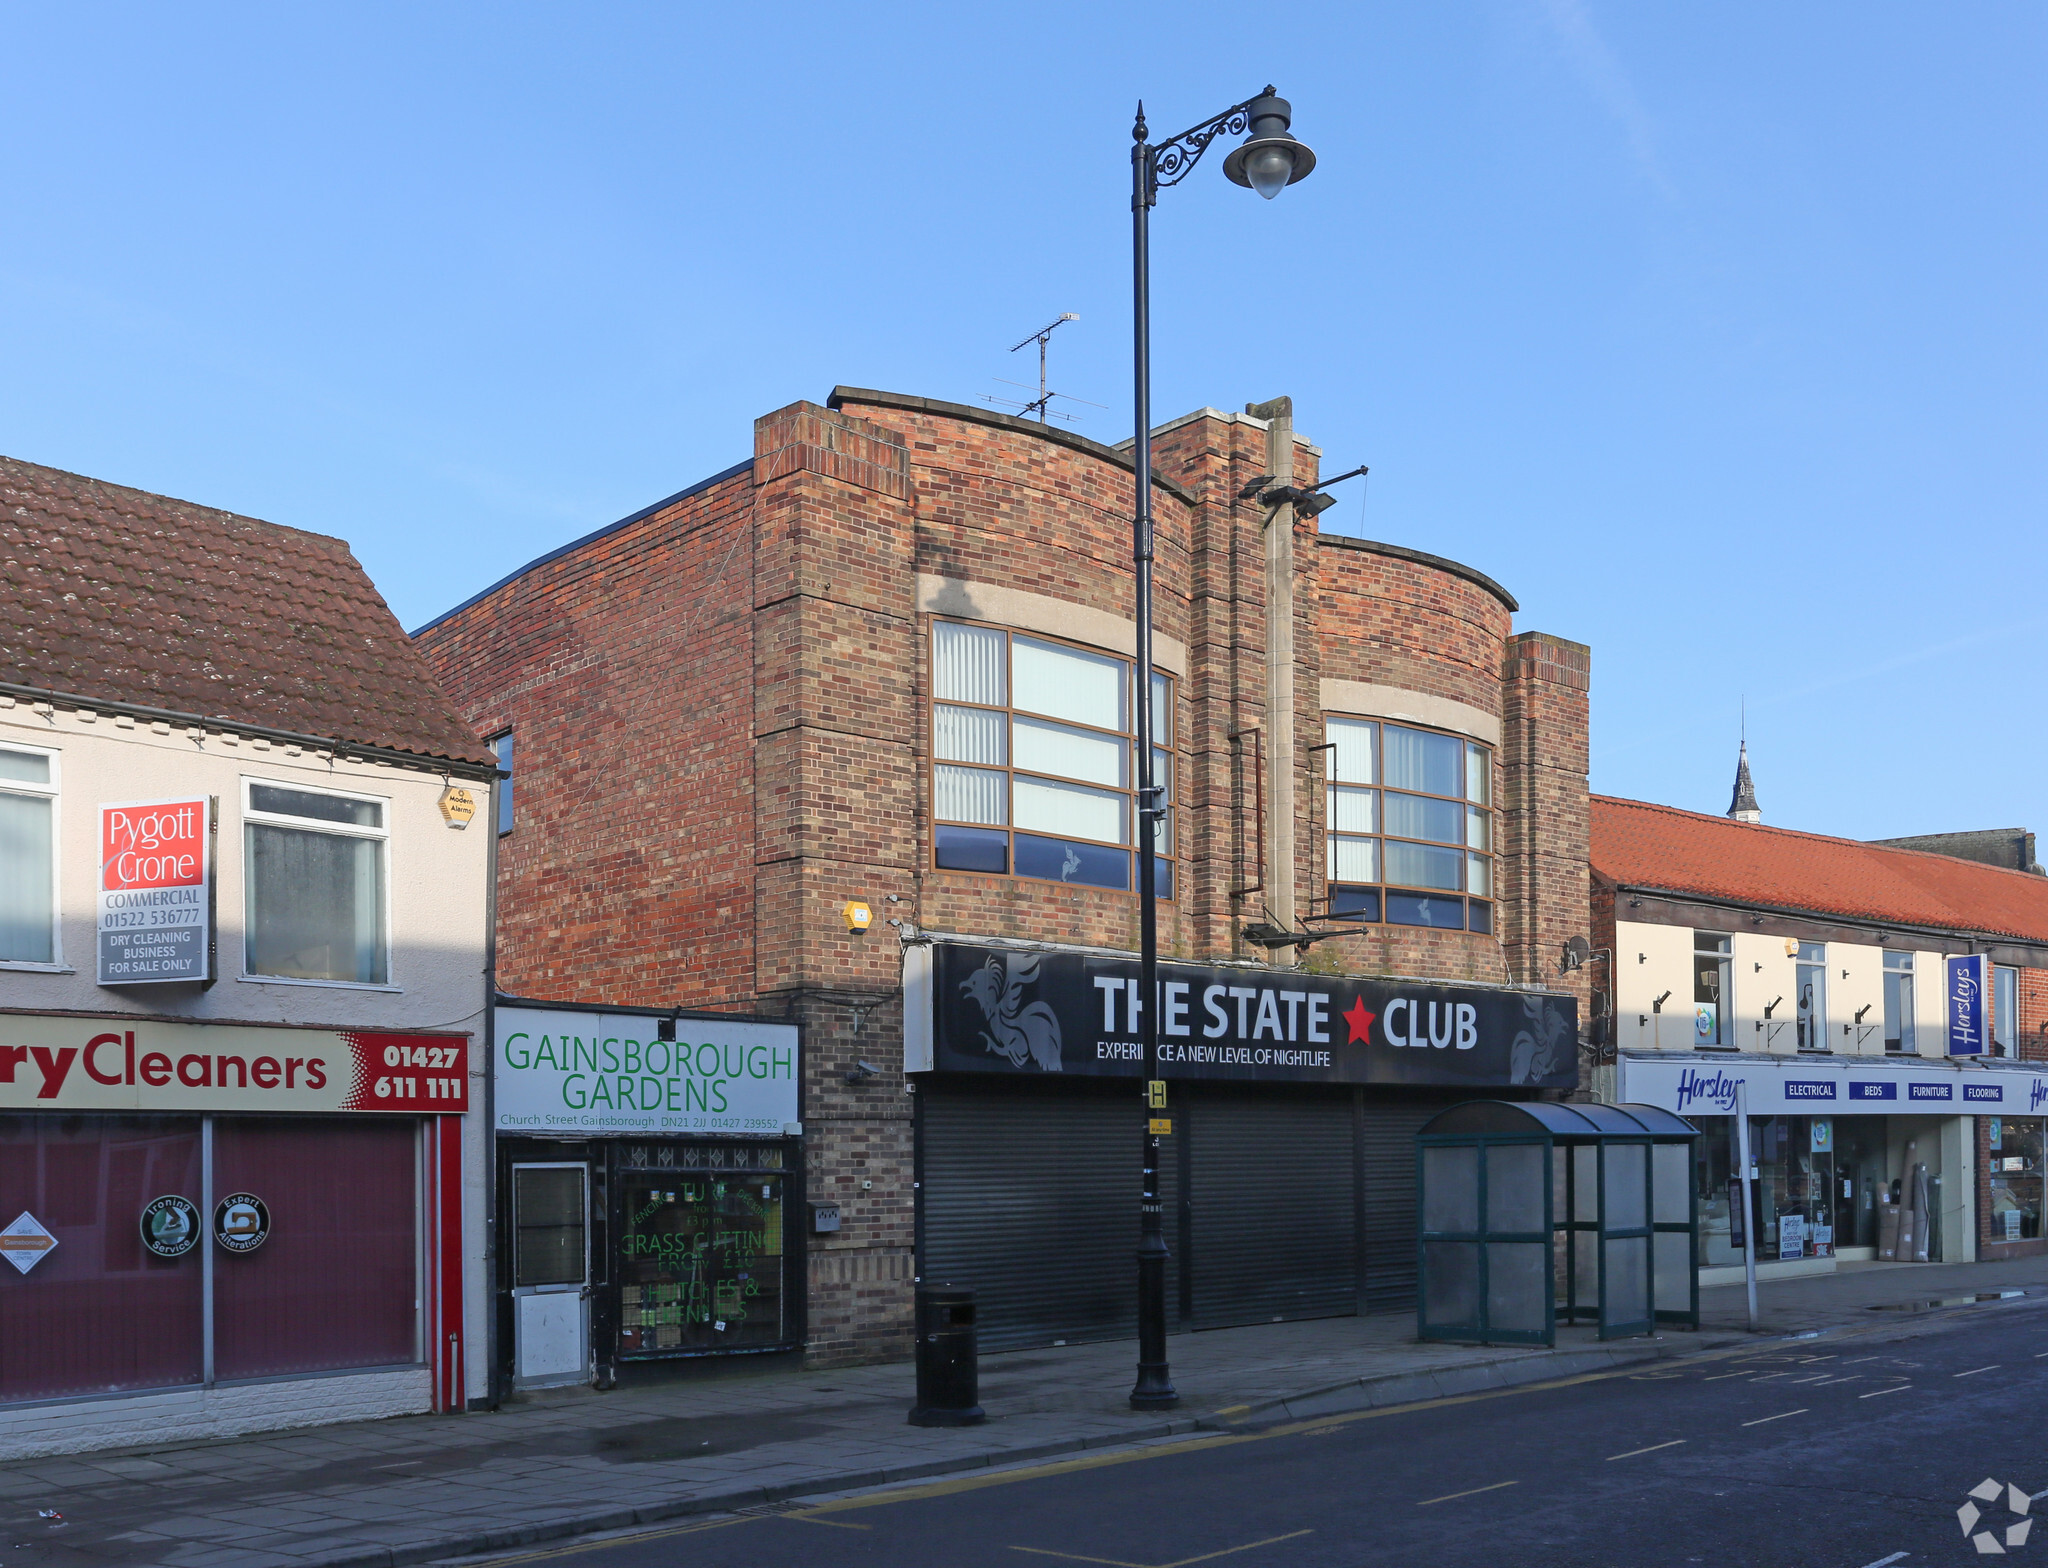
(550, 1274)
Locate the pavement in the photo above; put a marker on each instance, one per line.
(423, 1488)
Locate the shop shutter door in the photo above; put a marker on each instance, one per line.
(1273, 1216)
(1031, 1197)
(1388, 1150)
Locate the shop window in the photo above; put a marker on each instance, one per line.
(28, 871)
(701, 1260)
(315, 874)
(1811, 981)
(1712, 1026)
(2005, 1010)
(1033, 772)
(97, 1313)
(1898, 1004)
(1408, 825)
(334, 1286)
(2014, 1164)
(501, 747)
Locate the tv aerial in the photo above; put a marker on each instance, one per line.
(1040, 405)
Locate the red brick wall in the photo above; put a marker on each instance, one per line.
(722, 736)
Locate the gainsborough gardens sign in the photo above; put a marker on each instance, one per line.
(987, 1009)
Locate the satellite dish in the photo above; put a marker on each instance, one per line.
(1576, 952)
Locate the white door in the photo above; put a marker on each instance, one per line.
(550, 1275)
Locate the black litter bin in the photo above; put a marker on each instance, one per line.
(946, 1372)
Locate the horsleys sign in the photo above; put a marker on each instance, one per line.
(105, 1064)
(1006, 1010)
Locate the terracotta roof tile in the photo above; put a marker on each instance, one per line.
(125, 596)
(1636, 844)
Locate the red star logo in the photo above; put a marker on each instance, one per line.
(1359, 1022)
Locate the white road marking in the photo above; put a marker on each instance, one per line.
(1781, 1415)
(1814, 1379)
(1882, 1561)
(1896, 1388)
(1650, 1450)
(1975, 1370)
(1853, 1377)
(1449, 1496)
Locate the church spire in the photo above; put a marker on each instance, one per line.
(1743, 807)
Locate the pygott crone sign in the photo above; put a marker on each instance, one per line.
(596, 1072)
(155, 906)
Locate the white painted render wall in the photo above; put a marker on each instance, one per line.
(438, 894)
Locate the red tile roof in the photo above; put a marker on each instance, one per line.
(1636, 844)
(124, 596)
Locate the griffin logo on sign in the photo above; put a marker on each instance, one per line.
(1016, 1030)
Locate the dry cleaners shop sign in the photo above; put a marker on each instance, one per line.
(90, 1064)
(592, 1073)
(1010, 1010)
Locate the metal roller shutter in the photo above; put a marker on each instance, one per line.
(1271, 1206)
(1387, 1152)
(1030, 1196)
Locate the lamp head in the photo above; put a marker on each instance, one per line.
(1270, 159)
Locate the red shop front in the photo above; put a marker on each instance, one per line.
(217, 1207)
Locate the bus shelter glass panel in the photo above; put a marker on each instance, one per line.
(1533, 1211)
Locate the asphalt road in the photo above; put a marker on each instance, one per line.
(1837, 1454)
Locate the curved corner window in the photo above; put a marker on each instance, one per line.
(1407, 826)
(1034, 763)
(315, 875)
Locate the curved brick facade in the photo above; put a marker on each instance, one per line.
(720, 710)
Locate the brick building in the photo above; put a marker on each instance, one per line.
(1825, 975)
(885, 661)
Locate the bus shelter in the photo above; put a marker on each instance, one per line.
(1533, 1211)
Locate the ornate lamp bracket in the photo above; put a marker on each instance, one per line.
(1169, 162)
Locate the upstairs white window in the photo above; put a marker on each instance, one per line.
(1898, 1004)
(315, 876)
(1712, 1027)
(28, 862)
(2005, 1011)
(1408, 825)
(1033, 771)
(1811, 980)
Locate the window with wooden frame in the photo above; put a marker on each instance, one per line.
(1409, 825)
(1033, 773)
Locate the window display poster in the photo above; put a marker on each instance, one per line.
(155, 905)
(1791, 1236)
(1706, 1023)
(2012, 1224)
(596, 1073)
(1966, 1005)
(1822, 1139)
(1997, 1130)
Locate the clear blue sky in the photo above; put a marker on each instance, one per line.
(1715, 332)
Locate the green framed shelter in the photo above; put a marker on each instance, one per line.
(1534, 1211)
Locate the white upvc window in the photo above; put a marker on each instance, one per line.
(315, 873)
(29, 937)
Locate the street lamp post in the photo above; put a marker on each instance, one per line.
(1268, 161)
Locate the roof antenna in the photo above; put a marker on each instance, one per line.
(1040, 404)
